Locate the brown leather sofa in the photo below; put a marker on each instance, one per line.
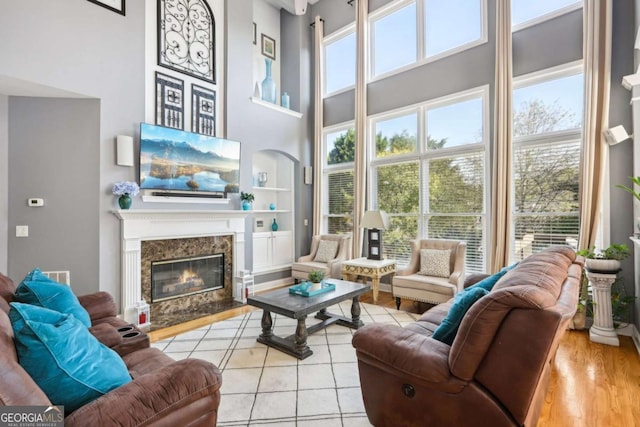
(496, 371)
(163, 392)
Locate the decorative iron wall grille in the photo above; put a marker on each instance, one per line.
(169, 101)
(203, 110)
(186, 38)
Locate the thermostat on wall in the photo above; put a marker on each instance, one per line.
(35, 202)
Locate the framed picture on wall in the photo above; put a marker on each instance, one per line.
(268, 47)
(114, 5)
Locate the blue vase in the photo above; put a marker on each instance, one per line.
(125, 201)
(268, 85)
(246, 205)
(274, 225)
(284, 100)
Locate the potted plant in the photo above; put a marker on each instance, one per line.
(621, 304)
(316, 277)
(635, 180)
(605, 260)
(247, 199)
(124, 190)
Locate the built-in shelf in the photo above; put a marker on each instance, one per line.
(170, 199)
(270, 211)
(276, 107)
(270, 189)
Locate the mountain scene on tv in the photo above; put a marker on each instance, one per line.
(178, 160)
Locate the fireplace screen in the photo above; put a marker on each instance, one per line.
(185, 276)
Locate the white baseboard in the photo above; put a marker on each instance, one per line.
(630, 330)
(626, 330)
(636, 338)
(266, 286)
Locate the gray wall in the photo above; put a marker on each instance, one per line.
(4, 178)
(79, 47)
(621, 155)
(260, 128)
(85, 49)
(52, 160)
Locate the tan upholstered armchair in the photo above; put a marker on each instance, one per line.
(410, 283)
(329, 259)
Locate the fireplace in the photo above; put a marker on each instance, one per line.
(180, 277)
(187, 278)
(154, 234)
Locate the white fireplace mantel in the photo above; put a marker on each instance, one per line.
(155, 224)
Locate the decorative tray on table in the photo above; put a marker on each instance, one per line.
(305, 289)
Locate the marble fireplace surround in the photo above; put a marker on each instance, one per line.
(139, 225)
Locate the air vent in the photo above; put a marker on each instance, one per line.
(63, 277)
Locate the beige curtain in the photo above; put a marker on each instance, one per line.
(318, 123)
(597, 77)
(360, 163)
(502, 149)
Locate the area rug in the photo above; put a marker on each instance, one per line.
(262, 386)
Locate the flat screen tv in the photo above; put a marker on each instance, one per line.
(180, 162)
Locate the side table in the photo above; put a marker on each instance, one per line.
(368, 268)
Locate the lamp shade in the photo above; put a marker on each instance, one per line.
(124, 150)
(375, 219)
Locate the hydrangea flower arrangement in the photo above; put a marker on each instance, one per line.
(125, 187)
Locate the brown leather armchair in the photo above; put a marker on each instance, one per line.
(163, 392)
(497, 369)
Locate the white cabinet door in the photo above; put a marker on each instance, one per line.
(261, 251)
(282, 248)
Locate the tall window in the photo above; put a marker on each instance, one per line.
(340, 60)
(525, 12)
(440, 16)
(339, 148)
(401, 36)
(547, 121)
(394, 39)
(428, 173)
(455, 191)
(397, 180)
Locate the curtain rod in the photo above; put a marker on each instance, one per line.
(313, 24)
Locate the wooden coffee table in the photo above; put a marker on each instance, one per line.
(298, 307)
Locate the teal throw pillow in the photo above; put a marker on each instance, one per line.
(38, 289)
(59, 353)
(448, 329)
(489, 282)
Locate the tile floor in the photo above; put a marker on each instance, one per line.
(262, 386)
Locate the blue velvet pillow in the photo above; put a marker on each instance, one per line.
(38, 289)
(489, 282)
(59, 353)
(447, 330)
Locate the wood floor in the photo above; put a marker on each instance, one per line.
(592, 385)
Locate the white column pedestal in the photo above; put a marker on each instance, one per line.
(602, 330)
